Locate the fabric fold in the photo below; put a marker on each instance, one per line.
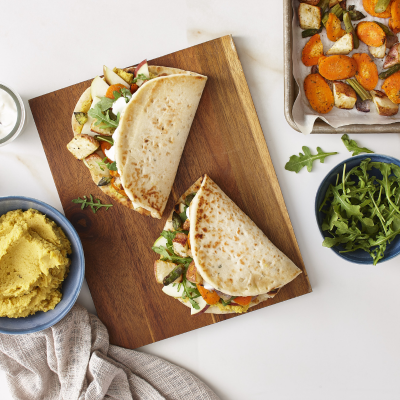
(74, 360)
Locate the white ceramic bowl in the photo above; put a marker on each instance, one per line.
(21, 115)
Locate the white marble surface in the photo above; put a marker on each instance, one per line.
(342, 340)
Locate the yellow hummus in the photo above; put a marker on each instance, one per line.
(33, 263)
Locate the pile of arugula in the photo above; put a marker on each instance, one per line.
(362, 211)
(190, 292)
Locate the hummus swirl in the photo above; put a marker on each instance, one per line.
(33, 263)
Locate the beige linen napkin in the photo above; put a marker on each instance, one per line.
(74, 360)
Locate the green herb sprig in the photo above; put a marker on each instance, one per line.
(111, 166)
(104, 118)
(95, 205)
(107, 139)
(296, 163)
(352, 146)
(226, 303)
(141, 77)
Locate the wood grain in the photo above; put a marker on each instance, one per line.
(225, 141)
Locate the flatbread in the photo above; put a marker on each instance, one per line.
(209, 186)
(152, 134)
(231, 253)
(155, 71)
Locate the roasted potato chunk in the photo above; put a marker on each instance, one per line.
(309, 16)
(162, 269)
(192, 275)
(383, 104)
(180, 244)
(378, 52)
(344, 95)
(393, 57)
(343, 46)
(186, 225)
(99, 174)
(101, 131)
(82, 146)
(126, 76)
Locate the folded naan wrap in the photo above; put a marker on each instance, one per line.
(214, 258)
(131, 128)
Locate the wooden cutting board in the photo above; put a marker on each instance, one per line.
(225, 141)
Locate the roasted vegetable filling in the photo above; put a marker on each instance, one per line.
(177, 268)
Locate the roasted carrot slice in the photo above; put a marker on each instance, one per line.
(134, 87)
(337, 67)
(391, 87)
(312, 51)
(371, 33)
(321, 59)
(369, 7)
(209, 296)
(114, 88)
(394, 22)
(318, 93)
(105, 146)
(367, 72)
(334, 29)
(243, 301)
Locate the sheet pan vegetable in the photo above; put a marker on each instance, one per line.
(390, 71)
(309, 16)
(371, 33)
(362, 93)
(312, 51)
(367, 72)
(318, 93)
(337, 67)
(391, 87)
(343, 46)
(383, 104)
(394, 21)
(333, 27)
(344, 95)
(369, 7)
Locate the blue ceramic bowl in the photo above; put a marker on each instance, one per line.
(72, 284)
(358, 256)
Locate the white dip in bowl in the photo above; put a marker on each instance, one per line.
(12, 114)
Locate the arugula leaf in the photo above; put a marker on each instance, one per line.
(141, 77)
(105, 102)
(111, 166)
(341, 200)
(167, 256)
(226, 303)
(107, 139)
(169, 235)
(127, 94)
(103, 119)
(352, 146)
(94, 205)
(296, 163)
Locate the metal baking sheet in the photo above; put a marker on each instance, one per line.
(291, 89)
